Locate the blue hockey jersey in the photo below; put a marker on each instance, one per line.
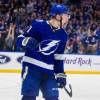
(51, 42)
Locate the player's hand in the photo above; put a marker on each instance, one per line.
(30, 43)
(61, 80)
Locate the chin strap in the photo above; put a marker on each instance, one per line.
(61, 22)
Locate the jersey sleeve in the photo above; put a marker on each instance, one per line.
(31, 32)
(58, 64)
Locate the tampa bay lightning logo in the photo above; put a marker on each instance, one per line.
(20, 59)
(4, 59)
(48, 47)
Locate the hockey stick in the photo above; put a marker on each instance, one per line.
(68, 87)
(69, 92)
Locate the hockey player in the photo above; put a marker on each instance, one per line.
(41, 42)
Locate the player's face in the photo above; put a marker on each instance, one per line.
(65, 18)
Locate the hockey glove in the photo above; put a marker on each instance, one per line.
(61, 80)
(30, 43)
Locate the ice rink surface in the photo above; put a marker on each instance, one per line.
(85, 87)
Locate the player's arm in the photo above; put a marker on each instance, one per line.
(58, 64)
(59, 68)
(30, 38)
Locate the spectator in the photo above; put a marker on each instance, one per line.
(91, 41)
(2, 33)
(9, 40)
(21, 12)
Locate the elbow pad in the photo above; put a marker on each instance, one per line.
(29, 43)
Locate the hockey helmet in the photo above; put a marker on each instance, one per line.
(59, 9)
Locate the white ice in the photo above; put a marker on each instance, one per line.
(85, 87)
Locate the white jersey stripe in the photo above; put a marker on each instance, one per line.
(38, 63)
(59, 56)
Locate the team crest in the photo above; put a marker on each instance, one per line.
(48, 47)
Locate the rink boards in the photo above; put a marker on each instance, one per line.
(84, 87)
(10, 62)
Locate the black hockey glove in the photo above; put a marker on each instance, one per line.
(30, 43)
(61, 80)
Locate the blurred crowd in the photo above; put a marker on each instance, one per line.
(83, 27)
